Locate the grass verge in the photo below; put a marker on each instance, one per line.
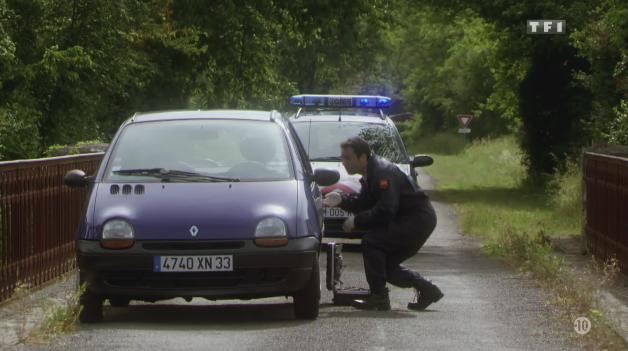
(485, 181)
(573, 291)
(59, 317)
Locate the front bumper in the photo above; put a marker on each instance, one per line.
(258, 272)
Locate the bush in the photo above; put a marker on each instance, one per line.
(566, 192)
(532, 253)
(618, 132)
(19, 134)
(81, 147)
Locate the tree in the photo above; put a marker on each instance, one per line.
(447, 64)
(603, 42)
(553, 119)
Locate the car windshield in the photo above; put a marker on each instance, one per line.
(200, 151)
(322, 140)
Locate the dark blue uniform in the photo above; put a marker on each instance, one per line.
(399, 219)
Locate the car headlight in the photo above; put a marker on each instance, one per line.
(117, 234)
(271, 231)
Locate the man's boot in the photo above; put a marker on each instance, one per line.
(427, 294)
(374, 302)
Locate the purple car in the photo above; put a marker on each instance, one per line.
(216, 204)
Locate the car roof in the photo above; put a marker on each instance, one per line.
(205, 114)
(375, 119)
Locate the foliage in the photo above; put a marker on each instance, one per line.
(558, 93)
(85, 146)
(60, 317)
(19, 133)
(451, 69)
(566, 193)
(603, 42)
(74, 70)
(532, 253)
(618, 131)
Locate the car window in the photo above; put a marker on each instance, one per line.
(323, 139)
(247, 150)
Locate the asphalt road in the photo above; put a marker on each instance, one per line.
(487, 306)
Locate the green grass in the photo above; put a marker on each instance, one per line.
(59, 318)
(485, 182)
(441, 143)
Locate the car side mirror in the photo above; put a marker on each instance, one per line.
(75, 178)
(421, 161)
(326, 177)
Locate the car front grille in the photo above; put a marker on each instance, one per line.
(178, 280)
(192, 245)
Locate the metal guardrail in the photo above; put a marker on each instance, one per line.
(39, 217)
(606, 206)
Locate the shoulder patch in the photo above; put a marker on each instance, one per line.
(384, 184)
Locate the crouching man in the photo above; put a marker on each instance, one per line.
(398, 217)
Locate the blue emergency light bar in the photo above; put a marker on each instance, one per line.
(347, 101)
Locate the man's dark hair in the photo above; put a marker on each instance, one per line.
(358, 145)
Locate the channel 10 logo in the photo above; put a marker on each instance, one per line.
(546, 27)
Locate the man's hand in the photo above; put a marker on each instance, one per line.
(332, 199)
(349, 224)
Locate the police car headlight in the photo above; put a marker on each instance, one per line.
(271, 232)
(117, 234)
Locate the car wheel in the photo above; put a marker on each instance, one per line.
(119, 301)
(91, 308)
(306, 300)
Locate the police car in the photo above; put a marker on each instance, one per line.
(323, 122)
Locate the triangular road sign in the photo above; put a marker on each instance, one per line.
(465, 120)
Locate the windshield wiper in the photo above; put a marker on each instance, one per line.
(167, 174)
(328, 158)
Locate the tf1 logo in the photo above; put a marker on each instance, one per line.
(546, 27)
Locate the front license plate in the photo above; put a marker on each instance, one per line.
(213, 263)
(335, 212)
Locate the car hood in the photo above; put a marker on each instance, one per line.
(219, 211)
(348, 183)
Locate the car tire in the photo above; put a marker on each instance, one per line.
(91, 308)
(307, 299)
(119, 301)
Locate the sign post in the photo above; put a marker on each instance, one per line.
(464, 121)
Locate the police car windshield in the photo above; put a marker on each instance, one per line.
(216, 149)
(322, 140)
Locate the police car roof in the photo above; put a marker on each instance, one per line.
(205, 114)
(376, 119)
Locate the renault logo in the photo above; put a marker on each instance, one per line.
(193, 230)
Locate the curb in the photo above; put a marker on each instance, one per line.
(23, 314)
(616, 312)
